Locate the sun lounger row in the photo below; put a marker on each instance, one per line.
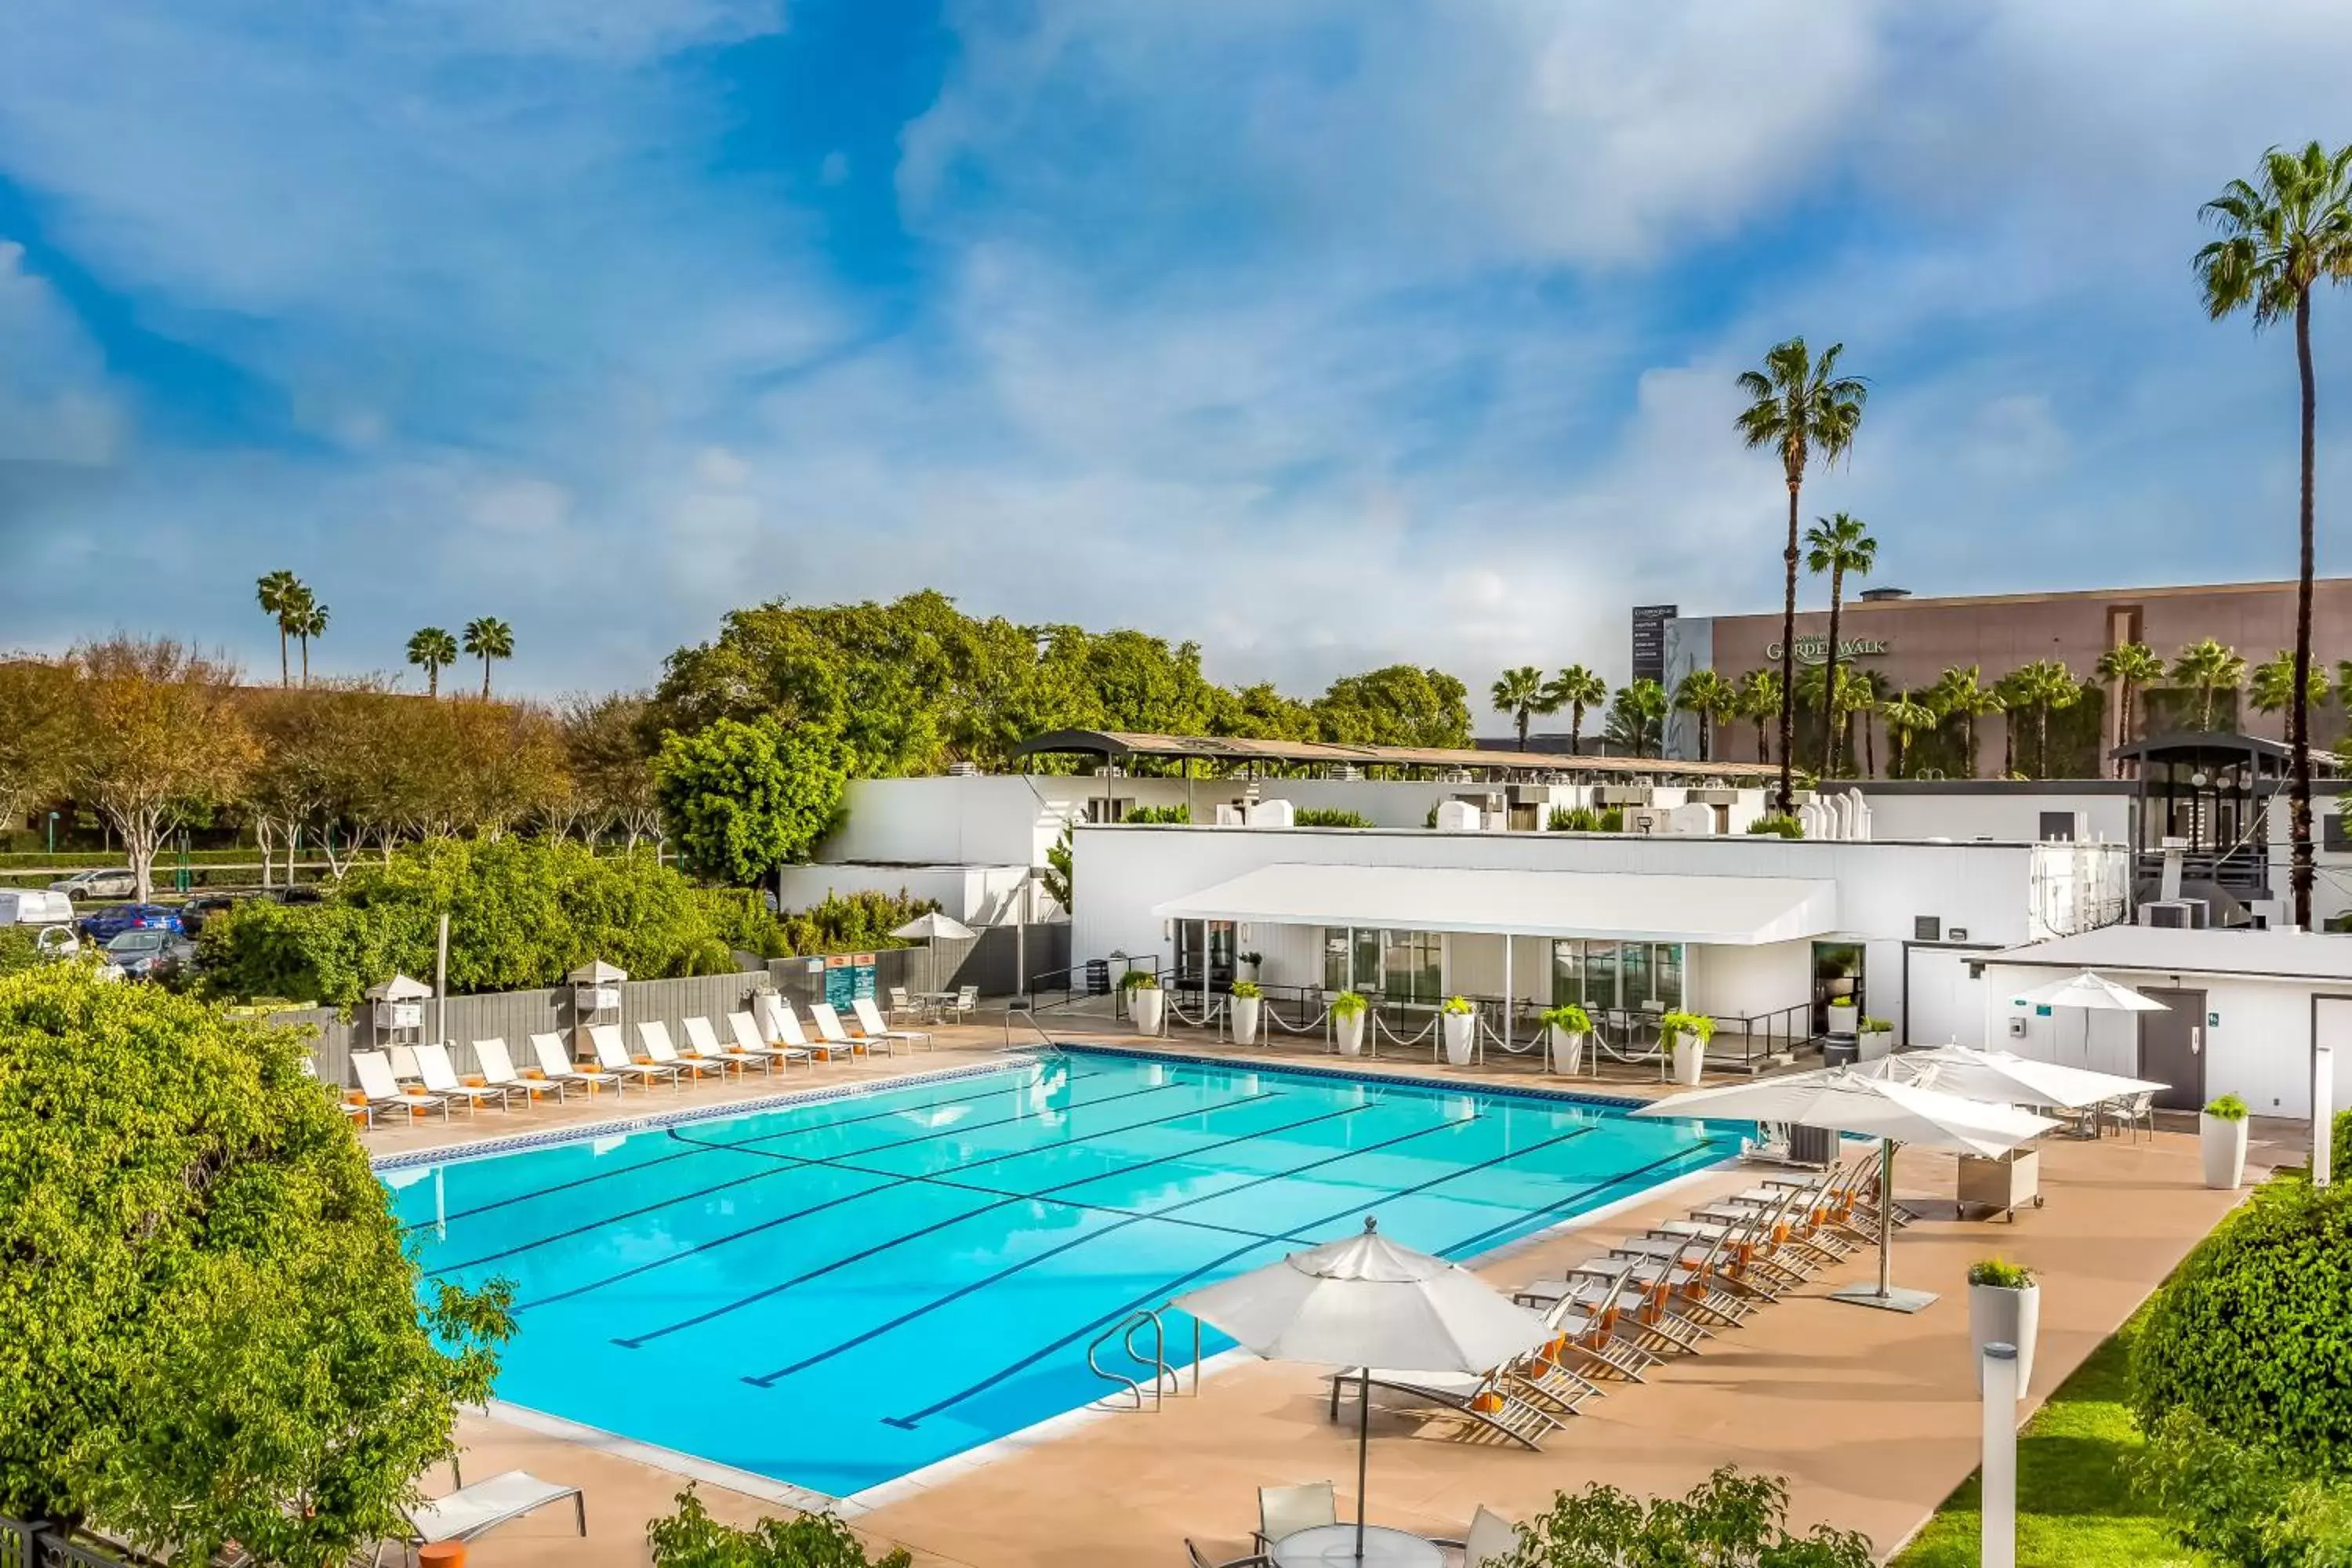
(772, 1039)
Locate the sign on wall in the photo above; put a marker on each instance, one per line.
(1816, 649)
(1650, 639)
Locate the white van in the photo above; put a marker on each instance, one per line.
(20, 908)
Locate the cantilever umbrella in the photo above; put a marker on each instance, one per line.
(1847, 1100)
(2008, 1078)
(1366, 1302)
(2093, 993)
(934, 926)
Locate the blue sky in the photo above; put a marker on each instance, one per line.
(1319, 333)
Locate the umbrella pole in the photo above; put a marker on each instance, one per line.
(1886, 1217)
(1363, 1450)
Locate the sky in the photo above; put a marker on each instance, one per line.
(1323, 334)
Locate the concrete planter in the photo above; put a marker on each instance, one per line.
(1872, 1044)
(1845, 1017)
(2224, 1146)
(1349, 1027)
(1460, 1030)
(1690, 1058)
(1998, 1315)
(1245, 1011)
(1567, 1052)
(1146, 1003)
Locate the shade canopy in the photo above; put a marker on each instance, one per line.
(2006, 1077)
(933, 926)
(1849, 1099)
(400, 988)
(598, 972)
(1738, 911)
(2094, 992)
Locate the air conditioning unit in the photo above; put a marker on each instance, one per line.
(2175, 914)
(1343, 770)
(963, 770)
(1456, 816)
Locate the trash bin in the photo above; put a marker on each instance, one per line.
(1841, 1053)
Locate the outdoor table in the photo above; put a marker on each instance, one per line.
(1330, 1544)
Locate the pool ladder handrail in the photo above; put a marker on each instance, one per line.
(1165, 1379)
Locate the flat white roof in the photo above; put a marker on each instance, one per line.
(2262, 955)
(1739, 912)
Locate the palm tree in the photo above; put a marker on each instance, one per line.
(2015, 690)
(1707, 695)
(2044, 685)
(2281, 236)
(1838, 545)
(2210, 668)
(1864, 692)
(1574, 688)
(1798, 405)
(1958, 695)
(279, 592)
(2130, 666)
(1760, 702)
(1521, 692)
(487, 639)
(309, 621)
(1636, 716)
(2271, 687)
(433, 649)
(1904, 717)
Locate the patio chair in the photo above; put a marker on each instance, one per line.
(556, 1067)
(374, 1069)
(614, 1057)
(441, 1078)
(870, 1024)
(475, 1510)
(745, 1033)
(1286, 1511)
(832, 1037)
(653, 1037)
(499, 1070)
(1254, 1560)
(1492, 1540)
(903, 1007)
(702, 1043)
(788, 1030)
(2130, 1112)
(966, 1003)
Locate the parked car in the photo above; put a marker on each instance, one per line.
(106, 882)
(299, 893)
(18, 908)
(197, 910)
(104, 925)
(149, 952)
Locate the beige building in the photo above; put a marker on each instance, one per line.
(1907, 643)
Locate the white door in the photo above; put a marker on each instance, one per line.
(1943, 1006)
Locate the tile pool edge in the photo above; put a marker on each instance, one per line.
(1316, 1069)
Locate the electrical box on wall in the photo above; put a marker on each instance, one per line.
(2017, 1028)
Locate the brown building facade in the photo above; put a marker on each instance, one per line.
(1906, 643)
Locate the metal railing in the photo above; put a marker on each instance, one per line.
(34, 1543)
(1165, 1379)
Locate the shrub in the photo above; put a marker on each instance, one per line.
(2253, 1332)
(1429, 821)
(1778, 823)
(1876, 1027)
(2339, 1131)
(1458, 1005)
(690, 1538)
(1612, 819)
(1139, 980)
(1696, 1025)
(1347, 1005)
(1569, 1018)
(2228, 1108)
(1246, 989)
(1997, 1271)
(2240, 1504)
(1572, 819)
(1728, 1520)
(740, 799)
(1145, 816)
(1332, 817)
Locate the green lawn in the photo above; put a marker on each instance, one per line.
(2075, 1509)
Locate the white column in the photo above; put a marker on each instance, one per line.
(2323, 1109)
(1997, 1547)
(1508, 994)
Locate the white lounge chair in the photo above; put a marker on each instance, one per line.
(475, 1510)
(374, 1069)
(653, 1039)
(784, 1028)
(702, 1045)
(433, 1066)
(746, 1035)
(498, 1072)
(556, 1067)
(870, 1024)
(833, 1038)
(613, 1057)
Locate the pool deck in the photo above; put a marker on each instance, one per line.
(1872, 1416)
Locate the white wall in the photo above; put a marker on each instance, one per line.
(1964, 812)
(1749, 982)
(1941, 1005)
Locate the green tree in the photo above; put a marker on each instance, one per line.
(1521, 693)
(309, 621)
(1710, 698)
(36, 733)
(432, 650)
(1760, 704)
(1637, 716)
(1575, 688)
(2208, 669)
(742, 799)
(1398, 705)
(1837, 545)
(1799, 406)
(156, 735)
(1957, 694)
(1904, 719)
(282, 597)
(2269, 686)
(690, 1538)
(604, 738)
(1728, 1520)
(2046, 685)
(2015, 691)
(488, 639)
(2281, 236)
(212, 1326)
(2133, 667)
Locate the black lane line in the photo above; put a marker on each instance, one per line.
(638, 1342)
(894, 1181)
(1160, 1292)
(763, 1138)
(692, 1194)
(769, 1378)
(1491, 1232)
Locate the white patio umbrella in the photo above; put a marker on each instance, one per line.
(1846, 1100)
(2091, 993)
(932, 927)
(2008, 1078)
(1365, 1301)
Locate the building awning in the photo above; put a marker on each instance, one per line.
(1737, 911)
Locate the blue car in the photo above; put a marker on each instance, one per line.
(102, 926)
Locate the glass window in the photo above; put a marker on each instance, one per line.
(1413, 967)
(1634, 979)
(1335, 960)
(1600, 975)
(1366, 966)
(1567, 974)
(1669, 970)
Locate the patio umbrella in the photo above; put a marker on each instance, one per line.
(1365, 1301)
(934, 926)
(1847, 1100)
(2008, 1078)
(2093, 993)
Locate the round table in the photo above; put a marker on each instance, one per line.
(1330, 1544)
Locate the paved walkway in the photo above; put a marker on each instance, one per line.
(1871, 1416)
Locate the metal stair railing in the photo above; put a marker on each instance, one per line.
(1165, 1379)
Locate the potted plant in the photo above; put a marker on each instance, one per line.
(1874, 1038)
(1247, 999)
(1459, 1016)
(1846, 1008)
(2221, 1139)
(1144, 1000)
(1686, 1034)
(2004, 1308)
(1249, 962)
(1348, 1022)
(1569, 1025)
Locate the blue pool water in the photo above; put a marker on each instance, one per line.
(835, 1294)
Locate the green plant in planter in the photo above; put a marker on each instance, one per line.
(1254, 959)
(1775, 823)
(1347, 1005)
(1698, 1026)
(1570, 1019)
(1246, 990)
(1612, 820)
(1458, 1005)
(2228, 1108)
(1139, 980)
(1573, 819)
(1999, 1272)
(1876, 1027)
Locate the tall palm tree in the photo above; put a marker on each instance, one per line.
(2281, 235)
(2210, 668)
(1521, 692)
(1759, 703)
(1799, 407)
(433, 649)
(1637, 716)
(2045, 685)
(1866, 693)
(487, 639)
(1837, 545)
(2271, 686)
(309, 621)
(1574, 688)
(1904, 717)
(1709, 696)
(2015, 690)
(2131, 666)
(1958, 695)
(279, 592)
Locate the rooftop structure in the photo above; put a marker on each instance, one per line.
(1236, 753)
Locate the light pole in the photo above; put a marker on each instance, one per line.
(1996, 1513)
(52, 833)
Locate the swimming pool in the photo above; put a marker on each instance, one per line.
(834, 1294)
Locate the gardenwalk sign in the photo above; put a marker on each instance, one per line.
(1816, 650)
